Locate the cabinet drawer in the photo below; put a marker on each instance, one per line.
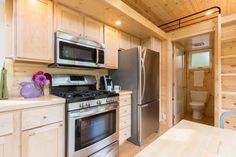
(124, 110)
(124, 134)
(125, 100)
(6, 123)
(125, 121)
(41, 116)
(230, 122)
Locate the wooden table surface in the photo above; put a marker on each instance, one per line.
(189, 139)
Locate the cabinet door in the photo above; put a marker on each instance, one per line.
(34, 30)
(135, 42)
(68, 20)
(93, 30)
(46, 141)
(111, 42)
(124, 41)
(6, 146)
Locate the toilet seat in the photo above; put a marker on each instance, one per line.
(197, 104)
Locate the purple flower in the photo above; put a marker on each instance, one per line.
(41, 79)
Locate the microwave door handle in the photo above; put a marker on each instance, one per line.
(97, 56)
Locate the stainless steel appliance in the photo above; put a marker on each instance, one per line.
(139, 71)
(76, 51)
(106, 83)
(91, 116)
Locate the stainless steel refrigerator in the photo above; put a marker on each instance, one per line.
(139, 72)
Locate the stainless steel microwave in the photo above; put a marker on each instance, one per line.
(71, 50)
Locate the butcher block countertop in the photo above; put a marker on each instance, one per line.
(21, 103)
(189, 139)
(125, 92)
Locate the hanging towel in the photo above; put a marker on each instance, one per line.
(198, 78)
(3, 84)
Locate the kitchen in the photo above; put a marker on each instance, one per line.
(41, 37)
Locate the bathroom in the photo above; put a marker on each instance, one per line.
(193, 79)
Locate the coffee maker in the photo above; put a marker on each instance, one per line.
(106, 83)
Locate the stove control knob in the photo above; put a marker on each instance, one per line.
(99, 102)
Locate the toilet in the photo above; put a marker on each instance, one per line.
(198, 101)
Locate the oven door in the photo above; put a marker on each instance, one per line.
(76, 54)
(92, 130)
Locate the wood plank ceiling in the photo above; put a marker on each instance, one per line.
(163, 11)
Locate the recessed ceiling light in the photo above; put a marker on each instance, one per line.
(118, 23)
(209, 12)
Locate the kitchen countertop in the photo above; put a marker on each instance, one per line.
(21, 103)
(125, 92)
(189, 139)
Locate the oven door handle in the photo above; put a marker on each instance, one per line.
(79, 115)
(97, 55)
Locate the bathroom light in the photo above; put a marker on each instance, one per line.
(209, 12)
(118, 22)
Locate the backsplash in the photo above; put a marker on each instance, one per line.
(23, 71)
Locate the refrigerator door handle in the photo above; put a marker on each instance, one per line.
(143, 106)
(144, 78)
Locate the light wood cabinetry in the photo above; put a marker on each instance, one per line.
(33, 118)
(34, 30)
(68, 20)
(124, 40)
(93, 29)
(45, 141)
(152, 43)
(6, 146)
(27, 133)
(124, 117)
(111, 42)
(135, 42)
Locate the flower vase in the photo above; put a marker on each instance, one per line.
(46, 91)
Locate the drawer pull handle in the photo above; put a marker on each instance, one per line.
(61, 124)
(44, 117)
(234, 103)
(227, 122)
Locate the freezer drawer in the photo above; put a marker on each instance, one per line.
(148, 120)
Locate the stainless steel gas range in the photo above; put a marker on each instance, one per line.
(91, 116)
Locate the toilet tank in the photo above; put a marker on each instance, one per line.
(199, 96)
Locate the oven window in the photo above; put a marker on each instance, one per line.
(92, 129)
(75, 52)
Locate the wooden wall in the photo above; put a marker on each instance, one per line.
(228, 66)
(22, 71)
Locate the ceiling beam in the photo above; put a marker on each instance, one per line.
(123, 7)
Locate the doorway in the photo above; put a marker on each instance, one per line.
(193, 79)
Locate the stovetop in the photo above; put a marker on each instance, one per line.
(85, 95)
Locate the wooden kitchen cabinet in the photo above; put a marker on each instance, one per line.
(135, 42)
(7, 140)
(45, 141)
(93, 30)
(124, 116)
(68, 20)
(34, 30)
(6, 146)
(124, 41)
(111, 51)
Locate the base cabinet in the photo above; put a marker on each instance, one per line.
(124, 117)
(43, 142)
(6, 146)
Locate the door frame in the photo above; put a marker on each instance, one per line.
(177, 117)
